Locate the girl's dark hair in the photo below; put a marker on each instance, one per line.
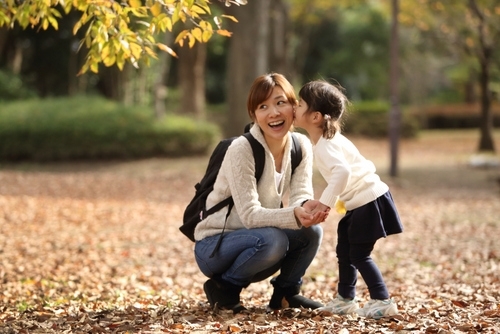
(327, 99)
(262, 88)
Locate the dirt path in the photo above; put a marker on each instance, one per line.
(95, 248)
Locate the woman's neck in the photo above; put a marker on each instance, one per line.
(277, 148)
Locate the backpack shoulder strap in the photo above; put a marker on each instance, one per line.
(296, 152)
(259, 154)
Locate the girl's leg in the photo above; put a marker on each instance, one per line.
(348, 275)
(361, 259)
(242, 254)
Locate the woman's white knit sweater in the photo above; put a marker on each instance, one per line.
(350, 177)
(258, 205)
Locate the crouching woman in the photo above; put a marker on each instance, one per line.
(260, 237)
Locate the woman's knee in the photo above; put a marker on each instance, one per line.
(273, 243)
(314, 235)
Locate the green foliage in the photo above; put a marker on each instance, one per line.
(357, 52)
(371, 118)
(95, 128)
(13, 88)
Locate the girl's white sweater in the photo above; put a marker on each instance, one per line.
(350, 177)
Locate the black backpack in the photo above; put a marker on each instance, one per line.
(196, 210)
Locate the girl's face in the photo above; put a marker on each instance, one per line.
(301, 116)
(275, 115)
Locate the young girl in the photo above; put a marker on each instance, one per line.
(355, 189)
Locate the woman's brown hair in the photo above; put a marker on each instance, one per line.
(262, 88)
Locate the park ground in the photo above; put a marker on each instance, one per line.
(95, 248)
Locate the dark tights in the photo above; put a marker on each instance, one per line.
(353, 257)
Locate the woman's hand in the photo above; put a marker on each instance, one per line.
(307, 219)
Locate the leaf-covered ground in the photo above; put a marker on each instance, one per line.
(95, 248)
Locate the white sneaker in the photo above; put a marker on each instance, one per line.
(340, 306)
(377, 309)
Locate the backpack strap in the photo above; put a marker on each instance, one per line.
(259, 157)
(296, 152)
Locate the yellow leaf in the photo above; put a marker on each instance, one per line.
(175, 15)
(109, 61)
(53, 22)
(203, 4)
(232, 18)
(182, 16)
(45, 24)
(181, 36)
(196, 33)
(192, 40)
(197, 9)
(156, 9)
(136, 50)
(168, 23)
(120, 62)
(205, 25)
(94, 67)
(33, 21)
(84, 69)
(150, 52)
(165, 48)
(224, 32)
(135, 3)
(105, 51)
(206, 36)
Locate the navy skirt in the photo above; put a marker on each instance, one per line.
(373, 221)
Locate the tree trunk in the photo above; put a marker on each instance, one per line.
(395, 113)
(279, 32)
(191, 78)
(486, 143)
(485, 54)
(4, 33)
(248, 57)
(114, 84)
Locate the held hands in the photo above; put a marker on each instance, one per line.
(314, 206)
(311, 213)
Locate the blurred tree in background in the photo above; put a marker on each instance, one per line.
(447, 53)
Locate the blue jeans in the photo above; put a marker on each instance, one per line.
(252, 255)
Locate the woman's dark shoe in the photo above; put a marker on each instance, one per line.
(289, 297)
(223, 295)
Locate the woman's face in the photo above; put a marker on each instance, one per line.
(275, 115)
